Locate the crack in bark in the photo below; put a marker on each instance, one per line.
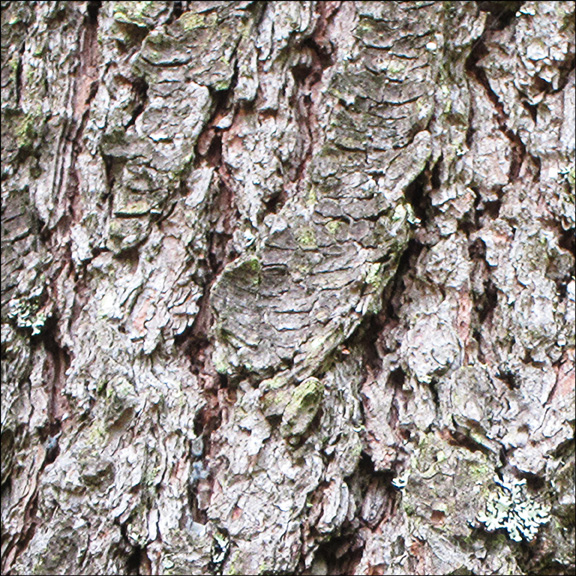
(178, 8)
(315, 58)
(140, 87)
(18, 76)
(475, 71)
(196, 340)
(137, 560)
(56, 237)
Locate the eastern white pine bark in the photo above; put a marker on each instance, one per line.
(284, 286)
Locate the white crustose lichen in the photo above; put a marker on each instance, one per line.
(512, 509)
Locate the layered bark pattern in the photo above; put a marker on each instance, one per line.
(285, 284)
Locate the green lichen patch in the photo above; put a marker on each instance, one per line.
(190, 21)
(275, 395)
(302, 408)
(27, 131)
(374, 277)
(135, 13)
(306, 238)
(333, 226)
(247, 271)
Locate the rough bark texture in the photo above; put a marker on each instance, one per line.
(287, 287)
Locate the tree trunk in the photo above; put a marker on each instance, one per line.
(288, 287)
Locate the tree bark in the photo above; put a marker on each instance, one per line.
(288, 287)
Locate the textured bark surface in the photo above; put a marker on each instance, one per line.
(287, 287)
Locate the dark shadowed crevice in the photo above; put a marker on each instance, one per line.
(368, 333)
(113, 168)
(20, 542)
(455, 437)
(376, 502)
(275, 203)
(565, 451)
(129, 256)
(534, 482)
(532, 109)
(486, 303)
(435, 180)
(223, 217)
(433, 387)
(509, 378)
(196, 340)
(140, 89)
(565, 68)
(134, 561)
(416, 194)
(92, 9)
(378, 498)
(567, 240)
(562, 285)
(18, 75)
(366, 337)
(489, 208)
(54, 376)
(131, 37)
(394, 293)
(178, 8)
(477, 250)
(341, 554)
(223, 213)
(500, 14)
(137, 562)
(396, 378)
(306, 73)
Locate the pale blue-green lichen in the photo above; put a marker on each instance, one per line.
(25, 312)
(511, 509)
(220, 548)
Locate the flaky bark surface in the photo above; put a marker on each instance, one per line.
(285, 285)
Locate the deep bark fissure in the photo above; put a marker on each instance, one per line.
(18, 76)
(140, 87)
(22, 540)
(57, 362)
(178, 8)
(137, 562)
(196, 340)
(56, 237)
(341, 555)
(417, 194)
(315, 57)
(501, 14)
